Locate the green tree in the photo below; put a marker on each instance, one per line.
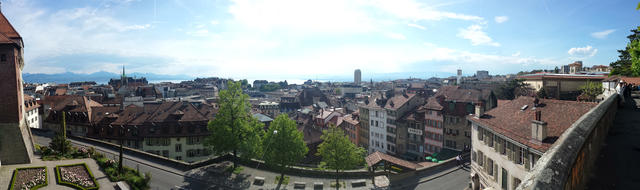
(234, 129)
(591, 90)
(60, 142)
(512, 88)
(623, 66)
(542, 93)
(284, 144)
(338, 152)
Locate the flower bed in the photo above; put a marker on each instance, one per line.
(77, 176)
(29, 178)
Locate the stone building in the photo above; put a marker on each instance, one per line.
(433, 124)
(174, 130)
(508, 140)
(16, 144)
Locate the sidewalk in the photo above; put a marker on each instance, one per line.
(7, 172)
(245, 180)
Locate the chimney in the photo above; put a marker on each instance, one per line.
(479, 110)
(538, 128)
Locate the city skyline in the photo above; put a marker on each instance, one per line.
(246, 39)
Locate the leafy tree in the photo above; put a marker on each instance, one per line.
(623, 66)
(512, 88)
(556, 70)
(591, 90)
(542, 93)
(338, 152)
(269, 87)
(60, 142)
(284, 144)
(234, 129)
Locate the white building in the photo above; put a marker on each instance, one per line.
(31, 108)
(377, 129)
(508, 140)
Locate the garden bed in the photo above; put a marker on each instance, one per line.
(77, 176)
(29, 178)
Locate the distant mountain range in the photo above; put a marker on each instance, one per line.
(101, 77)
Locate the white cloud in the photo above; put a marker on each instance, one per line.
(416, 26)
(397, 36)
(501, 19)
(477, 36)
(214, 22)
(516, 54)
(602, 34)
(582, 52)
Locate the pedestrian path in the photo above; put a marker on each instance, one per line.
(617, 165)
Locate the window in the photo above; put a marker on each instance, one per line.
(505, 179)
(452, 106)
(519, 155)
(480, 158)
(503, 147)
(489, 167)
(165, 153)
(3, 57)
(473, 156)
(178, 157)
(178, 148)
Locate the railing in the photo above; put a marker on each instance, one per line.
(568, 162)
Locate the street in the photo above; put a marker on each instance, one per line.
(163, 177)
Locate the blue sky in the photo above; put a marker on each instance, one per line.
(285, 39)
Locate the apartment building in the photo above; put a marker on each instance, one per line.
(508, 140)
(174, 130)
(398, 107)
(433, 124)
(31, 108)
(456, 104)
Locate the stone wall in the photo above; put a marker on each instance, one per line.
(563, 166)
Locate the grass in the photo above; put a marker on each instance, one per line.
(284, 182)
(342, 184)
(235, 171)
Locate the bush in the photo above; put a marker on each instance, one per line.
(60, 144)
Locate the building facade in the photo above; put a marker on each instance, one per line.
(433, 124)
(16, 145)
(32, 112)
(508, 140)
(357, 77)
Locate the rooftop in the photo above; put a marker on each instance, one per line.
(511, 121)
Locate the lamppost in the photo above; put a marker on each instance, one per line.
(121, 148)
(265, 151)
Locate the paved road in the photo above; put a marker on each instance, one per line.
(167, 178)
(456, 180)
(161, 177)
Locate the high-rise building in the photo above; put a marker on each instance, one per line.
(16, 144)
(459, 77)
(357, 77)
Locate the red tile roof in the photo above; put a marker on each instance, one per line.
(377, 157)
(515, 124)
(454, 93)
(432, 104)
(398, 101)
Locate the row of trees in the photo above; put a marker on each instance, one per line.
(235, 131)
(514, 88)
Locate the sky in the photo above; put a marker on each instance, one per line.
(299, 39)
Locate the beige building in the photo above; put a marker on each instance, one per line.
(508, 140)
(560, 86)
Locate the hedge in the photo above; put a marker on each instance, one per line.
(59, 178)
(15, 174)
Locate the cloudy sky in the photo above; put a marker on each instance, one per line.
(276, 39)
